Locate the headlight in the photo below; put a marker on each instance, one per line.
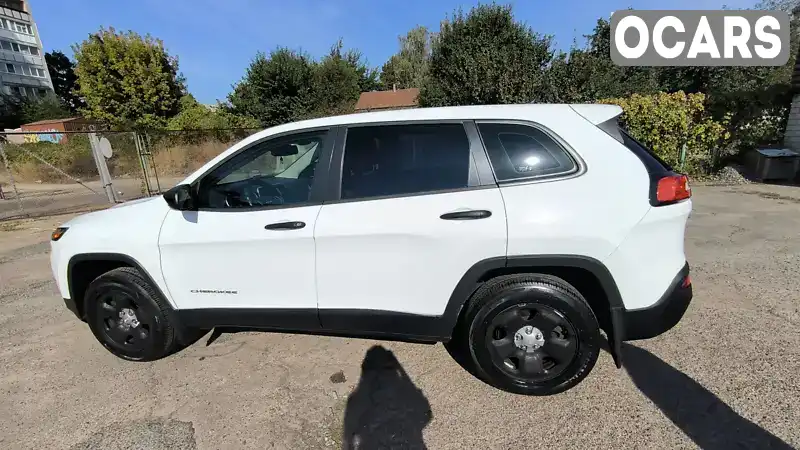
(57, 233)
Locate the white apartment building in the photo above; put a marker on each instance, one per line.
(23, 70)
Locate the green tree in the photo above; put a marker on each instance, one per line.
(127, 80)
(11, 111)
(587, 74)
(44, 108)
(409, 67)
(337, 82)
(209, 122)
(276, 89)
(65, 82)
(195, 116)
(368, 78)
(486, 57)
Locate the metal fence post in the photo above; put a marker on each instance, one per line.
(11, 177)
(152, 162)
(142, 163)
(102, 168)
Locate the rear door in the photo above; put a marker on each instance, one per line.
(418, 206)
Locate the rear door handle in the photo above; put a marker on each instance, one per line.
(295, 225)
(474, 214)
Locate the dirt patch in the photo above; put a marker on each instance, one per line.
(144, 435)
(770, 195)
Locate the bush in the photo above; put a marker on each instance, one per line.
(201, 123)
(668, 123)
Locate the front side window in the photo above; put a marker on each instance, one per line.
(522, 151)
(270, 173)
(404, 159)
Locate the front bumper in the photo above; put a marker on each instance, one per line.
(662, 316)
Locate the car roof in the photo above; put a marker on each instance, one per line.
(475, 112)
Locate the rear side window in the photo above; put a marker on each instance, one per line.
(520, 151)
(651, 161)
(404, 159)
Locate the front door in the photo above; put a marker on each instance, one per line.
(250, 245)
(412, 219)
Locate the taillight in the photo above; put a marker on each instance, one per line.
(672, 189)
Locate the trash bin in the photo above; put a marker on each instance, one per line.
(774, 163)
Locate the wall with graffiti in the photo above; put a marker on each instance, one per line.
(50, 135)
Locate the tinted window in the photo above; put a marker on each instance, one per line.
(270, 173)
(404, 159)
(521, 151)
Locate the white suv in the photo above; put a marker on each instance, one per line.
(512, 233)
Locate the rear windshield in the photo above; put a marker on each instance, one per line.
(651, 161)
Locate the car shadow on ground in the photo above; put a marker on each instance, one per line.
(700, 414)
(386, 409)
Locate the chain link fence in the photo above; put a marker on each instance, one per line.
(49, 173)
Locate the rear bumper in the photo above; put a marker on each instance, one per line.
(659, 318)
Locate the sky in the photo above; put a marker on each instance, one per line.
(215, 40)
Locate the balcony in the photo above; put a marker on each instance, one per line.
(11, 56)
(13, 12)
(18, 37)
(24, 80)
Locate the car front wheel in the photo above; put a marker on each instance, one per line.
(128, 316)
(528, 334)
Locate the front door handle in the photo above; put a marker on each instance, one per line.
(474, 214)
(295, 225)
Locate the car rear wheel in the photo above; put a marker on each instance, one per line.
(528, 334)
(128, 316)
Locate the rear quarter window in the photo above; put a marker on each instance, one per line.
(519, 151)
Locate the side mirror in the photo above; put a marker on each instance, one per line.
(181, 198)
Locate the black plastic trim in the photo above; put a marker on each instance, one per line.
(626, 324)
(597, 268)
(467, 215)
(479, 156)
(119, 257)
(70, 304)
(646, 323)
(305, 319)
(370, 324)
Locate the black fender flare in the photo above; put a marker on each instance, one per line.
(127, 261)
(478, 273)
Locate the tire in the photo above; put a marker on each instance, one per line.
(529, 334)
(110, 299)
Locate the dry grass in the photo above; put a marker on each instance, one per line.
(33, 171)
(172, 160)
(181, 160)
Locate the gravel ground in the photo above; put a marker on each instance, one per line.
(725, 377)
